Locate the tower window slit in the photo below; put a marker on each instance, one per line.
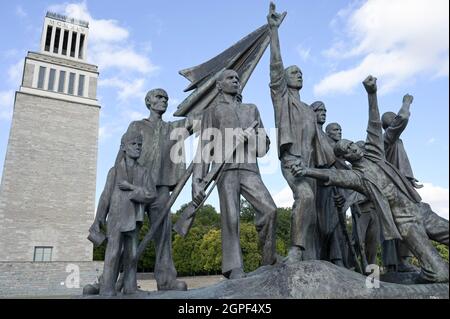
(65, 42)
(73, 44)
(62, 80)
(57, 36)
(41, 77)
(51, 80)
(48, 38)
(71, 83)
(80, 53)
(81, 85)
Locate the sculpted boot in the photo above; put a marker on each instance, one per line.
(236, 273)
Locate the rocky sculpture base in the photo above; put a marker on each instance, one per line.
(404, 278)
(305, 280)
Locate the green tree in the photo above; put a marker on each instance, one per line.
(247, 212)
(211, 252)
(147, 261)
(283, 230)
(442, 249)
(249, 244)
(99, 252)
(206, 216)
(281, 248)
(186, 252)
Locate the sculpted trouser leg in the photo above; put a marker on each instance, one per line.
(229, 196)
(130, 243)
(372, 239)
(335, 247)
(362, 226)
(111, 263)
(164, 267)
(405, 213)
(304, 217)
(404, 255)
(256, 193)
(434, 268)
(389, 253)
(329, 230)
(436, 227)
(324, 229)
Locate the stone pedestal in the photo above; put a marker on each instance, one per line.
(46, 279)
(305, 280)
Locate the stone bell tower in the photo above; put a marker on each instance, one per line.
(47, 193)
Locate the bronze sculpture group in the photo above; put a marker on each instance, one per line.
(327, 175)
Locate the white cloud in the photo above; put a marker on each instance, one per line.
(135, 115)
(100, 30)
(127, 89)
(14, 76)
(109, 45)
(437, 197)
(111, 49)
(284, 198)
(303, 52)
(126, 59)
(105, 132)
(111, 130)
(106, 31)
(15, 72)
(431, 140)
(6, 104)
(394, 40)
(102, 132)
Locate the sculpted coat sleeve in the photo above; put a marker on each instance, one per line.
(337, 177)
(260, 128)
(201, 167)
(398, 125)
(105, 198)
(279, 93)
(374, 141)
(146, 193)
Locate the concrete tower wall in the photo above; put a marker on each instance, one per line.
(48, 187)
(47, 194)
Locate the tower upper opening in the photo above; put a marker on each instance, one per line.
(64, 36)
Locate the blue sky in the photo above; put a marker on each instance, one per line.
(140, 45)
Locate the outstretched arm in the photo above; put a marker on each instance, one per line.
(320, 174)
(370, 84)
(374, 141)
(331, 177)
(274, 20)
(398, 125)
(404, 110)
